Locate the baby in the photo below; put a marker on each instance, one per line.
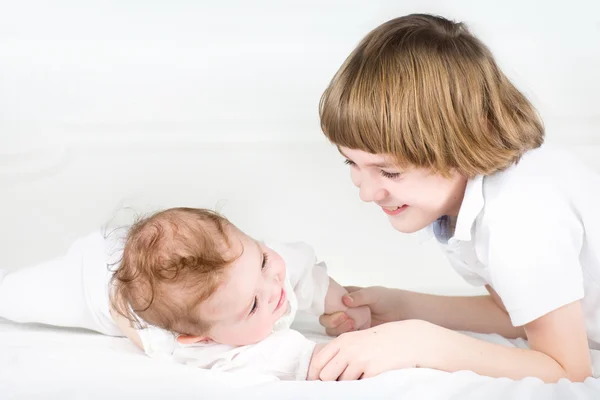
(188, 287)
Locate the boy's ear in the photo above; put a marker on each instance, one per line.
(189, 339)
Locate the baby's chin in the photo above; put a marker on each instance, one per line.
(244, 338)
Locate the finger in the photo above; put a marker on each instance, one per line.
(320, 360)
(351, 289)
(334, 369)
(362, 297)
(369, 373)
(352, 372)
(347, 326)
(334, 320)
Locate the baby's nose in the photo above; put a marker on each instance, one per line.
(275, 294)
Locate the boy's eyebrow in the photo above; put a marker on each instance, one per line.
(378, 165)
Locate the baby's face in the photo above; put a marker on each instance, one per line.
(251, 298)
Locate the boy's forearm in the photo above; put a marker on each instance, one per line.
(451, 351)
(463, 313)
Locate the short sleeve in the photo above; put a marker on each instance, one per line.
(307, 275)
(284, 354)
(534, 238)
(462, 268)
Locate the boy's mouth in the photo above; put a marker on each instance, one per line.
(394, 210)
(281, 300)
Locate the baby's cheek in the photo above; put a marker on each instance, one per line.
(262, 330)
(275, 257)
(266, 330)
(250, 332)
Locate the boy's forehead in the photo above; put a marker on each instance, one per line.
(378, 160)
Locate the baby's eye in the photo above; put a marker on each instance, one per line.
(265, 259)
(254, 306)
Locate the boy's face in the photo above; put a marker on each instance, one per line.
(413, 198)
(251, 297)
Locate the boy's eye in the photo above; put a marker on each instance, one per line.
(390, 175)
(349, 162)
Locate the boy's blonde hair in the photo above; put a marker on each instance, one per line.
(172, 261)
(426, 91)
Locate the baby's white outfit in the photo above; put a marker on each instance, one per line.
(285, 353)
(73, 291)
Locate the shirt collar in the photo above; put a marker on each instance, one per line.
(470, 208)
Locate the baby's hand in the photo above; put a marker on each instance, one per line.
(361, 317)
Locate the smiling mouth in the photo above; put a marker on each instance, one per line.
(281, 300)
(394, 210)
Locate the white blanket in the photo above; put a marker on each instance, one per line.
(46, 362)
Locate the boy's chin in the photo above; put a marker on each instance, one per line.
(409, 227)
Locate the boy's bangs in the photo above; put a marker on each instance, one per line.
(370, 106)
(353, 116)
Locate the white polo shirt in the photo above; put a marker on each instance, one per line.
(532, 232)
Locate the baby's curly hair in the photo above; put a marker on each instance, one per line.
(172, 261)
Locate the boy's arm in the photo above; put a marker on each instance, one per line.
(558, 341)
(482, 314)
(333, 303)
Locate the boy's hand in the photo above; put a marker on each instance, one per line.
(360, 355)
(383, 303)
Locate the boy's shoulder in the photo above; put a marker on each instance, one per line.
(542, 172)
(546, 181)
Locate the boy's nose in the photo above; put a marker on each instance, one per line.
(369, 192)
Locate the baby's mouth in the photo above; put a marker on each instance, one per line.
(281, 301)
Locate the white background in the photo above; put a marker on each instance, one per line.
(214, 104)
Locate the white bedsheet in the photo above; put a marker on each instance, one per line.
(51, 363)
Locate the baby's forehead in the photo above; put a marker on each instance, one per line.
(238, 284)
